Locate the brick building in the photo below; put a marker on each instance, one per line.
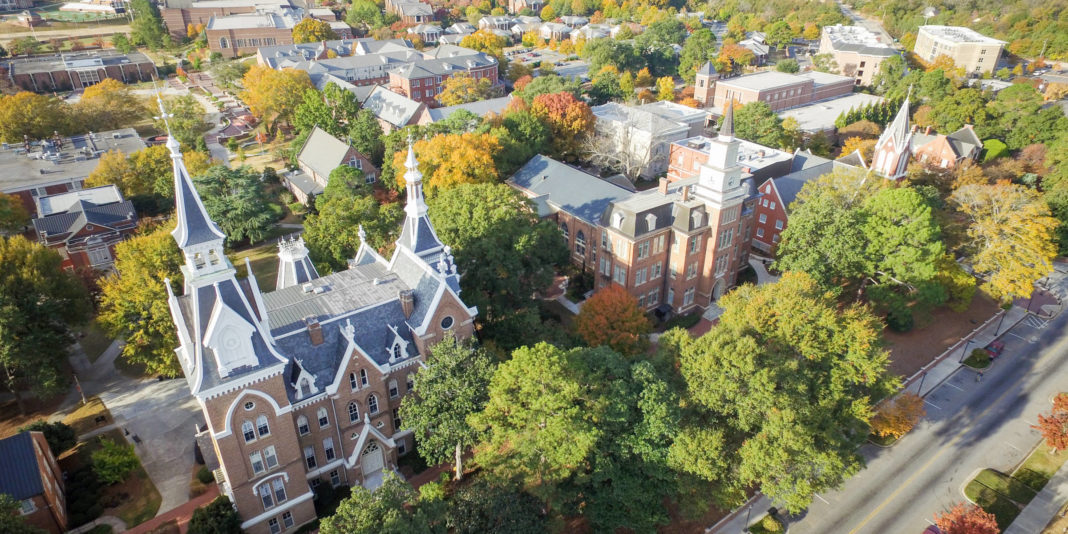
(30, 475)
(858, 51)
(945, 151)
(245, 33)
(688, 156)
(412, 12)
(301, 386)
(58, 164)
(177, 15)
(781, 90)
(85, 225)
(320, 155)
(969, 49)
(77, 70)
(676, 248)
(423, 80)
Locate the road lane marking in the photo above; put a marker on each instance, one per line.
(867, 519)
(931, 404)
(825, 501)
(954, 387)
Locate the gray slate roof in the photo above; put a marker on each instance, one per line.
(19, 475)
(323, 152)
(480, 108)
(85, 212)
(391, 107)
(576, 192)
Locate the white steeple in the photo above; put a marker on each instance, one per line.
(720, 180)
(417, 234)
(892, 151)
(294, 265)
(413, 179)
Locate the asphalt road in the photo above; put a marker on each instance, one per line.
(871, 24)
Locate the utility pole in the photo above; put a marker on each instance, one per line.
(78, 386)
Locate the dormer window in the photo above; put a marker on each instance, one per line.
(650, 221)
(617, 220)
(305, 387)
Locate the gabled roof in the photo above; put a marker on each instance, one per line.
(323, 152)
(84, 213)
(707, 69)
(964, 139)
(391, 107)
(480, 108)
(19, 473)
(898, 130)
(566, 188)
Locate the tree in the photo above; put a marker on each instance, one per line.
(122, 43)
(700, 47)
(145, 173)
(346, 204)
(133, 302)
(1010, 233)
(665, 88)
(364, 13)
(548, 14)
(333, 110)
(185, 119)
(904, 242)
(483, 507)
(452, 159)
(113, 461)
(788, 374)
(392, 508)
(569, 118)
(451, 387)
(60, 436)
(147, 26)
(13, 214)
(1021, 119)
(311, 30)
(756, 122)
(33, 115)
(612, 317)
(543, 85)
(38, 303)
(824, 241)
(865, 146)
(486, 41)
(493, 229)
(1054, 427)
(733, 58)
(964, 106)
(237, 202)
(365, 134)
(461, 88)
(788, 65)
(273, 95)
(896, 417)
(615, 147)
(108, 105)
(967, 519)
(825, 63)
(219, 517)
(12, 521)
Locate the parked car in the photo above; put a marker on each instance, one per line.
(995, 348)
(932, 530)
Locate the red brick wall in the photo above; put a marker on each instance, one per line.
(771, 215)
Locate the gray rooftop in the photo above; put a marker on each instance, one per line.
(323, 152)
(72, 60)
(958, 34)
(45, 163)
(857, 39)
(480, 108)
(567, 188)
(391, 107)
(820, 116)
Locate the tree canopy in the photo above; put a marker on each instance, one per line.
(611, 317)
(756, 122)
(237, 201)
(392, 508)
(449, 160)
(218, 517)
(332, 231)
(311, 30)
(273, 95)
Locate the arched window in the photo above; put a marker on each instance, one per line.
(396, 351)
(363, 377)
(323, 420)
(393, 391)
(261, 426)
(302, 425)
(246, 429)
(352, 381)
(372, 404)
(563, 228)
(223, 43)
(580, 243)
(354, 412)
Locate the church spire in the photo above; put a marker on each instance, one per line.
(892, 151)
(416, 206)
(417, 234)
(726, 130)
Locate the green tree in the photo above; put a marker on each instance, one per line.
(825, 63)
(108, 105)
(185, 119)
(13, 214)
(60, 436)
(219, 517)
(333, 110)
(700, 47)
(483, 507)
(788, 65)
(113, 461)
(788, 374)
(965, 106)
(12, 521)
(237, 202)
(823, 240)
(25, 46)
(364, 13)
(332, 232)
(392, 508)
(227, 73)
(543, 85)
(756, 122)
(365, 134)
(904, 242)
(1022, 120)
(133, 302)
(147, 26)
(311, 30)
(39, 301)
(451, 387)
(494, 230)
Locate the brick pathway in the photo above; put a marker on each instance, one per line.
(182, 513)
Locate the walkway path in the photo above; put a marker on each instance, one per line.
(181, 514)
(44, 35)
(116, 524)
(1044, 506)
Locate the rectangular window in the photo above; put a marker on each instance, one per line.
(302, 426)
(721, 264)
(695, 244)
(287, 520)
(643, 250)
(772, 205)
(27, 507)
(640, 276)
(273, 523)
(763, 218)
(314, 483)
(655, 271)
(265, 496)
(394, 391)
(279, 490)
(659, 244)
(335, 478)
(401, 447)
(778, 224)
(673, 269)
(257, 462)
(730, 215)
(691, 271)
(309, 457)
(621, 276)
(775, 238)
(396, 419)
(270, 456)
(606, 266)
(328, 448)
(687, 297)
(653, 298)
(604, 241)
(760, 232)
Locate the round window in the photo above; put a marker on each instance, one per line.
(250, 405)
(446, 323)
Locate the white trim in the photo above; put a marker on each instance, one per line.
(283, 474)
(277, 510)
(339, 462)
(278, 410)
(368, 428)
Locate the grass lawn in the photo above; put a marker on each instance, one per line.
(264, 259)
(999, 494)
(93, 340)
(83, 419)
(1006, 485)
(135, 499)
(978, 359)
(11, 420)
(1039, 467)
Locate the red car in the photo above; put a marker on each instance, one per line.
(994, 348)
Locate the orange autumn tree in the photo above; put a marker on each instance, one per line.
(569, 119)
(894, 418)
(1054, 427)
(273, 95)
(612, 317)
(967, 519)
(452, 159)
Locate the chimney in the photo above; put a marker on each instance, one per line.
(663, 188)
(915, 127)
(685, 193)
(927, 130)
(315, 330)
(407, 300)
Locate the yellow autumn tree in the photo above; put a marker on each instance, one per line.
(895, 418)
(312, 30)
(644, 78)
(865, 146)
(1010, 236)
(452, 159)
(273, 95)
(461, 88)
(485, 41)
(108, 105)
(145, 172)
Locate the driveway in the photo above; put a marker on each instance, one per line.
(161, 413)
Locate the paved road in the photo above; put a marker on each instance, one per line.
(969, 426)
(44, 35)
(869, 23)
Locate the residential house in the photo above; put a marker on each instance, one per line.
(301, 386)
(321, 154)
(857, 51)
(760, 50)
(946, 151)
(519, 29)
(33, 169)
(516, 6)
(969, 49)
(429, 33)
(414, 12)
(496, 22)
(394, 111)
(461, 28)
(30, 475)
(77, 70)
(554, 31)
(84, 226)
(592, 31)
(322, 13)
(676, 248)
(480, 108)
(781, 90)
(575, 22)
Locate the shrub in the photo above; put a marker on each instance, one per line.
(994, 149)
(60, 436)
(204, 476)
(894, 418)
(770, 524)
(112, 461)
(219, 517)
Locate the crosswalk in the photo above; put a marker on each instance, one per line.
(1036, 322)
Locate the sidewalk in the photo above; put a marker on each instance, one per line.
(1044, 506)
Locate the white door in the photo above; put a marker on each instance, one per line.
(371, 459)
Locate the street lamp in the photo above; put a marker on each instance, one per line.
(965, 353)
(997, 331)
(749, 510)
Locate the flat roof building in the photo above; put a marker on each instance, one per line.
(820, 116)
(781, 90)
(857, 51)
(77, 70)
(969, 49)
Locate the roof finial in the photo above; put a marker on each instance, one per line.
(172, 143)
(362, 234)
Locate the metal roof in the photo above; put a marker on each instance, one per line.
(569, 189)
(20, 475)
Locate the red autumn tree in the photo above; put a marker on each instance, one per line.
(1054, 427)
(612, 317)
(569, 118)
(965, 519)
